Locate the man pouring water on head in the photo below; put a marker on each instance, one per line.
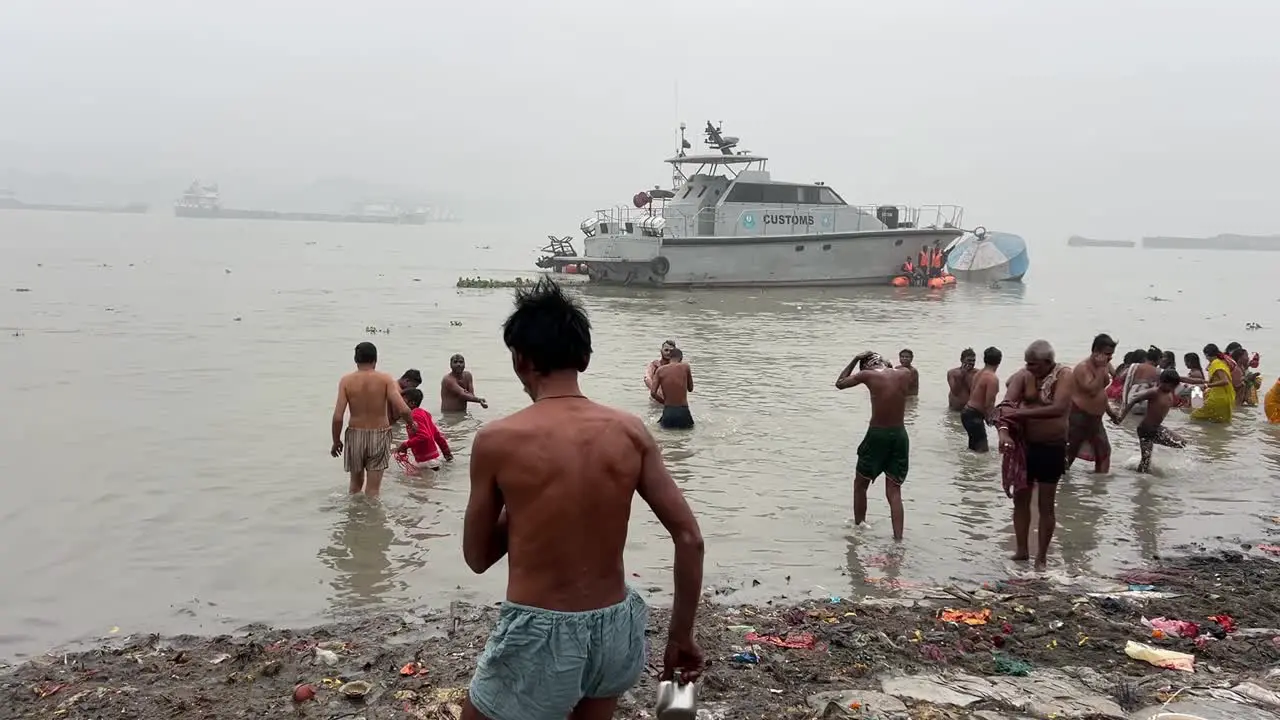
(551, 489)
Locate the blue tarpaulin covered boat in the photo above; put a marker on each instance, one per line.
(983, 256)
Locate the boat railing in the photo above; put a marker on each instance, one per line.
(708, 220)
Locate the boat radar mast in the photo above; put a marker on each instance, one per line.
(716, 138)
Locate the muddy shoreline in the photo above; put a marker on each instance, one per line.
(871, 657)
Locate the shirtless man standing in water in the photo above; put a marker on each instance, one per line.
(1089, 403)
(551, 488)
(960, 380)
(885, 448)
(366, 446)
(672, 384)
(905, 358)
(1042, 390)
(458, 388)
(982, 400)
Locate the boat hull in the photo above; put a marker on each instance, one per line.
(234, 214)
(802, 260)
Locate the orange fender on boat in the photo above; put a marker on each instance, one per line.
(901, 281)
(942, 281)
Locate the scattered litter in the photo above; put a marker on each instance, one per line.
(968, 617)
(1273, 549)
(356, 689)
(1006, 665)
(1141, 588)
(800, 641)
(328, 657)
(303, 693)
(219, 659)
(1176, 628)
(747, 657)
(46, 689)
(1161, 658)
(1226, 622)
(413, 668)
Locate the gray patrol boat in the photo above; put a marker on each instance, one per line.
(727, 223)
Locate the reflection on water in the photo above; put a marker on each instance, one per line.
(358, 554)
(768, 468)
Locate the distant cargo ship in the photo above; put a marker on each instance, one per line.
(204, 201)
(9, 201)
(1218, 242)
(1077, 241)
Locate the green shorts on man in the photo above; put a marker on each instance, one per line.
(884, 451)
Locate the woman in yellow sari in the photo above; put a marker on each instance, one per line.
(1220, 395)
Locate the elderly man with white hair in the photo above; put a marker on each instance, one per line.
(1036, 408)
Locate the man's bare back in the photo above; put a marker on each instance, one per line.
(888, 388)
(368, 395)
(982, 397)
(959, 387)
(567, 470)
(673, 382)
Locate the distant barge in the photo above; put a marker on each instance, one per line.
(9, 202)
(1077, 241)
(204, 201)
(1218, 242)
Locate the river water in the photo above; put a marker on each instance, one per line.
(169, 383)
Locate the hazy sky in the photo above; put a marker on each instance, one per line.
(1109, 119)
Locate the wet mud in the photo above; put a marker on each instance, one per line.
(821, 658)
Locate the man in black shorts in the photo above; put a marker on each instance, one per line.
(1042, 392)
(978, 409)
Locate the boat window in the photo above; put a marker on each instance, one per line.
(809, 195)
(827, 196)
(781, 195)
(746, 193)
(687, 189)
(702, 191)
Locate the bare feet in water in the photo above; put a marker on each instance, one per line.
(1021, 556)
(1041, 564)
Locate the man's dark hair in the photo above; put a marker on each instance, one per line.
(413, 396)
(1211, 351)
(1154, 354)
(992, 356)
(1232, 347)
(366, 353)
(548, 329)
(413, 376)
(1192, 361)
(1169, 376)
(967, 352)
(675, 353)
(906, 351)
(1103, 342)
